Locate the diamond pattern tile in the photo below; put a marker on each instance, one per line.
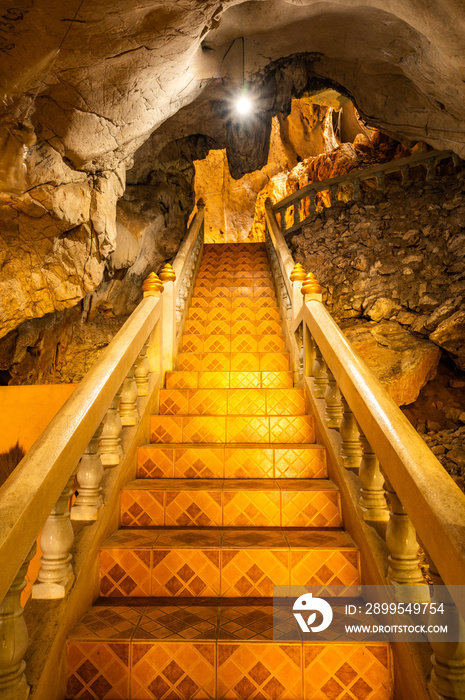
(108, 623)
(167, 670)
(276, 380)
(141, 507)
(204, 429)
(186, 572)
(166, 429)
(333, 567)
(244, 344)
(253, 572)
(248, 508)
(265, 671)
(245, 362)
(311, 509)
(192, 343)
(248, 463)
(247, 429)
(355, 671)
(173, 402)
(178, 619)
(193, 508)
(213, 380)
(300, 462)
(97, 669)
(125, 572)
(182, 380)
(246, 402)
(291, 429)
(274, 361)
(196, 462)
(217, 343)
(245, 380)
(285, 402)
(211, 402)
(155, 463)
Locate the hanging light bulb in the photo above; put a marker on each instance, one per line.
(243, 104)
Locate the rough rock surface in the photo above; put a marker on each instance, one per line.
(402, 362)
(397, 256)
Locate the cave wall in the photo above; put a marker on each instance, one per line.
(395, 256)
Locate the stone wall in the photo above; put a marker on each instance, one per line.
(395, 256)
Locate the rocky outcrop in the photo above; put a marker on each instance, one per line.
(395, 256)
(402, 362)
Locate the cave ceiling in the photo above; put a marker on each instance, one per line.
(112, 93)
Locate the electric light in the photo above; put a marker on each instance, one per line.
(243, 105)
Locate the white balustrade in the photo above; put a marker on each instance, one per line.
(351, 447)
(142, 371)
(88, 503)
(334, 409)
(128, 402)
(110, 439)
(372, 503)
(401, 539)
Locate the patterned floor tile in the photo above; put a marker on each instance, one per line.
(298, 462)
(108, 623)
(245, 362)
(197, 462)
(254, 538)
(274, 361)
(212, 402)
(276, 380)
(307, 509)
(248, 508)
(182, 380)
(245, 380)
(285, 402)
(206, 429)
(271, 343)
(269, 326)
(213, 380)
(192, 343)
(248, 463)
(186, 572)
(348, 671)
(291, 429)
(155, 462)
(246, 622)
(253, 572)
(168, 670)
(170, 619)
(189, 362)
(215, 362)
(125, 572)
(326, 567)
(217, 343)
(165, 429)
(98, 670)
(246, 402)
(259, 670)
(173, 401)
(142, 507)
(243, 328)
(247, 429)
(193, 508)
(244, 343)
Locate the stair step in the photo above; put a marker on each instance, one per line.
(225, 562)
(228, 343)
(230, 503)
(233, 361)
(187, 648)
(229, 380)
(233, 328)
(233, 302)
(239, 462)
(230, 315)
(232, 429)
(215, 402)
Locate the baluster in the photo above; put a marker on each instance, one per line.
(297, 212)
(372, 503)
(404, 171)
(282, 219)
(448, 658)
(110, 440)
(333, 190)
(380, 181)
(356, 189)
(351, 447)
(14, 638)
(312, 202)
(334, 409)
(128, 403)
(89, 477)
(309, 352)
(56, 575)
(430, 167)
(401, 539)
(142, 371)
(320, 374)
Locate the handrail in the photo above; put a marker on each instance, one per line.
(428, 158)
(181, 263)
(29, 494)
(433, 501)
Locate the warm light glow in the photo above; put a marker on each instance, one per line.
(243, 105)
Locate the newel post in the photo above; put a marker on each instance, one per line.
(168, 277)
(297, 275)
(153, 287)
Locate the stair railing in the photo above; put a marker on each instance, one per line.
(302, 202)
(76, 452)
(373, 450)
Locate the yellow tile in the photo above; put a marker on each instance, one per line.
(155, 462)
(185, 572)
(173, 401)
(217, 343)
(244, 343)
(245, 362)
(217, 328)
(142, 508)
(267, 314)
(197, 462)
(268, 327)
(246, 402)
(324, 566)
(243, 328)
(192, 343)
(251, 508)
(300, 463)
(197, 314)
(215, 362)
(206, 429)
(274, 361)
(311, 509)
(271, 343)
(213, 380)
(211, 402)
(165, 429)
(249, 429)
(245, 380)
(182, 380)
(243, 314)
(189, 361)
(291, 429)
(285, 402)
(219, 314)
(276, 380)
(195, 508)
(253, 572)
(248, 463)
(195, 327)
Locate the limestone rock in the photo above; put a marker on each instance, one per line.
(450, 335)
(402, 362)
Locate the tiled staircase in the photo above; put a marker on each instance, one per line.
(232, 497)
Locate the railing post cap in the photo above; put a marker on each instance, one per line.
(152, 286)
(200, 203)
(298, 273)
(311, 288)
(167, 274)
